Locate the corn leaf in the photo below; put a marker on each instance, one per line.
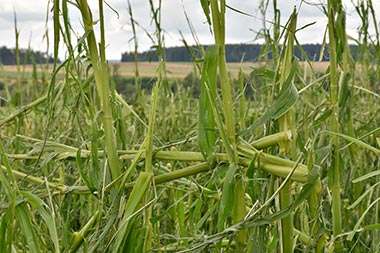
(366, 176)
(23, 217)
(47, 216)
(344, 91)
(137, 194)
(265, 72)
(21, 212)
(206, 125)
(227, 200)
(88, 180)
(358, 200)
(356, 141)
(206, 10)
(351, 235)
(286, 99)
(56, 30)
(6, 228)
(324, 116)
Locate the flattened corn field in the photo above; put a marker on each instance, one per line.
(277, 157)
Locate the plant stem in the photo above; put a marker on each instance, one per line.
(102, 84)
(218, 18)
(334, 125)
(286, 124)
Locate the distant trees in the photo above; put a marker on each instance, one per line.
(8, 56)
(234, 53)
(173, 54)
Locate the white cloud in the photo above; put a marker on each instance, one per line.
(31, 17)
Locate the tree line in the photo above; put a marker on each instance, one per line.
(8, 56)
(234, 53)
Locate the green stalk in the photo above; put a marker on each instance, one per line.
(276, 31)
(376, 234)
(18, 100)
(135, 55)
(23, 110)
(314, 204)
(286, 124)
(241, 100)
(218, 21)
(188, 171)
(79, 237)
(151, 124)
(102, 83)
(181, 217)
(148, 165)
(334, 125)
(219, 36)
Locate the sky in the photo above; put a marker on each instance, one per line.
(34, 23)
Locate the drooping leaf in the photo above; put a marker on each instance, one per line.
(46, 215)
(21, 213)
(286, 99)
(324, 116)
(227, 200)
(361, 197)
(23, 217)
(206, 124)
(358, 223)
(136, 196)
(82, 167)
(206, 10)
(343, 89)
(356, 141)
(265, 72)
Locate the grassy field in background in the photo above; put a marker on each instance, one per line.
(149, 69)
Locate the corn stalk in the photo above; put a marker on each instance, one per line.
(333, 9)
(99, 65)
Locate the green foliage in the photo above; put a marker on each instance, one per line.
(204, 164)
(206, 125)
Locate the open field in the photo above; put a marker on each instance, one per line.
(148, 69)
(284, 160)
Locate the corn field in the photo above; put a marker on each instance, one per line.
(295, 168)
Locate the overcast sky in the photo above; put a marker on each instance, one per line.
(31, 22)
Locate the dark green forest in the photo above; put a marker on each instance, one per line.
(8, 56)
(234, 53)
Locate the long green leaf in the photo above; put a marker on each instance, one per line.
(6, 228)
(206, 10)
(227, 200)
(47, 216)
(23, 216)
(21, 212)
(366, 176)
(344, 91)
(355, 140)
(206, 125)
(56, 30)
(361, 197)
(136, 197)
(351, 235)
